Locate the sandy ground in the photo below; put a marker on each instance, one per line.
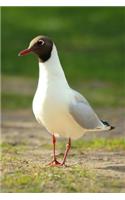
(20, 127)
(23, 121)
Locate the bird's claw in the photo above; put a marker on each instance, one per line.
(55, 163)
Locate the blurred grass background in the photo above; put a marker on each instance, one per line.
(91, 45)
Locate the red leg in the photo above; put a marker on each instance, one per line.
(54, 161)
(68, 146)
(54, 145)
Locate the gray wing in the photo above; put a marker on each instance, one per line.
(82, 112)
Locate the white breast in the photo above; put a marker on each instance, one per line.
(51, 110)
(49, 102)
(52, 98)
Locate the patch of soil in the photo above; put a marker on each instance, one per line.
(20, 127)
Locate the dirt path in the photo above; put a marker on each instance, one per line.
(20, 129)
(20, 120)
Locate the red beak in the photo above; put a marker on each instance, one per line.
(24, 52)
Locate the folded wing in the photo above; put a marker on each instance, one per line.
(83, 114)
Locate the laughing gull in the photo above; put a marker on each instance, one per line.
(60, 109)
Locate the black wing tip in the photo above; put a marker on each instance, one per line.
(112, 127)
(107, 124)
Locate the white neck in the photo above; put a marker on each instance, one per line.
(52, 69)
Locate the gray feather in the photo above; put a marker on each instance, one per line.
(83, 114)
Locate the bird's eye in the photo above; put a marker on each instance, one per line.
(40, 42)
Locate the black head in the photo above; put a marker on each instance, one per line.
(40, 45)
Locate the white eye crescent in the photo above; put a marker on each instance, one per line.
(40, 42)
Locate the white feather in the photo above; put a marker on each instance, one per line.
(52, 100)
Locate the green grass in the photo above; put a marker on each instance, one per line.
(107, 144)
(44, 179)
(90, 40)
(77, 179)
(23, 172)
(102, 144)
(91, 48)
(13, 101)
(90, 43)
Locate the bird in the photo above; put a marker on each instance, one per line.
(60, 109)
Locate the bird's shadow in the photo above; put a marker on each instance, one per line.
(120, 168)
